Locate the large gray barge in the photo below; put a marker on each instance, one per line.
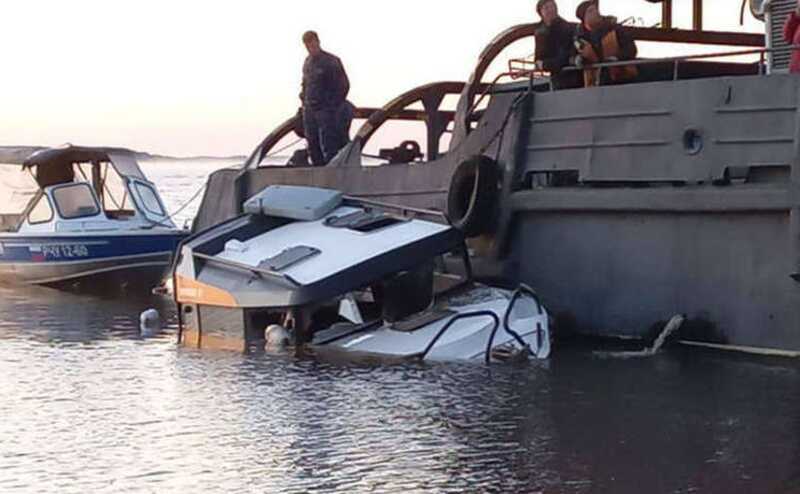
(623, 205)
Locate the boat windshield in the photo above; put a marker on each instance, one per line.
(115, 198)
(112, 190)
(75, 201)
(150, 200)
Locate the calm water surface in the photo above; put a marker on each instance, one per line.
(87, 405)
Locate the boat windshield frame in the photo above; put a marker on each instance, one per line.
(55, 188)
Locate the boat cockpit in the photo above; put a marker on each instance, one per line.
(79, 189)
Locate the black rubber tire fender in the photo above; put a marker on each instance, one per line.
(473, 196)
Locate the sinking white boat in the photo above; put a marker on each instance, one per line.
(349, 275)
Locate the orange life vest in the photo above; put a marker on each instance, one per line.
(611, 48)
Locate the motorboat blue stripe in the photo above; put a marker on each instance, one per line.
(83, 248)
(165, 254)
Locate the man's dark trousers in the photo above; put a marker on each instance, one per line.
(325, 134)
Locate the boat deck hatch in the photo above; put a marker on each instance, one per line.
(289, 257)
(294, 202)
(364, 221)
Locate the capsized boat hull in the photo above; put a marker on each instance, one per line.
(87, 260)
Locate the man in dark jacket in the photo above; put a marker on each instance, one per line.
(555, 47)
(602, 39)
(324, 97)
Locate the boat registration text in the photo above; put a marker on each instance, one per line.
(59, 251)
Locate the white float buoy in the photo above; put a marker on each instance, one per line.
(276, 337)
(150, 323)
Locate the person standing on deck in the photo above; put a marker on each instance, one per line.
(554, 46)
(326, 112)
(601, 39)
(791, 34)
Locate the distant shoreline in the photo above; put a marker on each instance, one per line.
(18, 154)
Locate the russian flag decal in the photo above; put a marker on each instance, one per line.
(36, 253)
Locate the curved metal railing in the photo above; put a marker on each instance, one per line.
(521, 67)
(525, 68)
(455, 319)
(521, 291)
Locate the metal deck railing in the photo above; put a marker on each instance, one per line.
(521, 67)
(525, 68)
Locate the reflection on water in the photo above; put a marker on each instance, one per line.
(87, 405)
(90, 406)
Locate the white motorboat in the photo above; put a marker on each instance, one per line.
(351, 275)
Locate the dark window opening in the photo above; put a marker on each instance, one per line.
(364, 221)
(408, 293)
(376, 224)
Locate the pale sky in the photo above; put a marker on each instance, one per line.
(198, 77)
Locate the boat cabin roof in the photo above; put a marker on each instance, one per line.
(55, 165)
(310, 251)
(106, 180)
(267, 261)
(66, 156)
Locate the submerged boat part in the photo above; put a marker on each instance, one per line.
(347, 275)
(478, 324)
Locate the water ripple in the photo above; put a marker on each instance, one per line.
(90, 406)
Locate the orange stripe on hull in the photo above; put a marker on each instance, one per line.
(190, 338)
(193, 339)
(188, 291)
(222, 343)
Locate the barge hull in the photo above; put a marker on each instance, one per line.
(620, 273)
(626, 205)
(622, 205)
